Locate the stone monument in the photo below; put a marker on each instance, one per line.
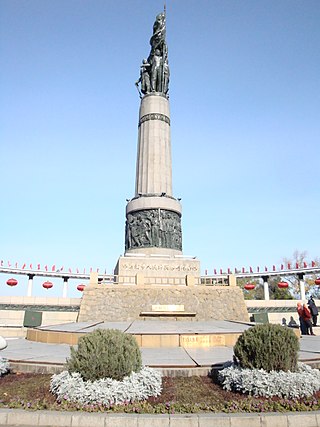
(153, 279)
(153, 234)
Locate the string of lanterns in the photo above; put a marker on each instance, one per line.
(46, 285)
(281, 285)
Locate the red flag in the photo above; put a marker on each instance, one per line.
(16, 265)
(1, 263)
(24, 266)
(215, 271)
(243, 270)
(258, 269)
(313, 264)
(297, 265)
(289, 265)
(70, 271)
(274, 268)
(265, 268)
(38, 266)
(53, 268)
(61, 269)
(30, 266)
(305, 265)
(46, 267)
(229, 271)
(220, 270)
(9, 264)
(251, 270)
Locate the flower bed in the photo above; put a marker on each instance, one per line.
(136, 387)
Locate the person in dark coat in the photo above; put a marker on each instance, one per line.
(306, 316)
(313, 310)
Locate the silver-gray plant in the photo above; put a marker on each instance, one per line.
(4, 366)
(135, 387)
(257, 382)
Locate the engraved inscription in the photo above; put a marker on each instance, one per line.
(158, 267)
(201, 340)
(154, 116)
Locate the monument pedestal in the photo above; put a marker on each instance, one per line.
(157, 269)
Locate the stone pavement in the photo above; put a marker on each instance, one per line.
(197, 360)
(11, 418)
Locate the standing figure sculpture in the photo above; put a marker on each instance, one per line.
(154, 71)
(144, 78)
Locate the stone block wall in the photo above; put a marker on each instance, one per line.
(123, 303)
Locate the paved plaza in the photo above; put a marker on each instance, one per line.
(20, 350)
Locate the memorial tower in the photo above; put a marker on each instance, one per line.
(153, 215)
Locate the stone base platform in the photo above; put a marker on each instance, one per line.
(119, 303)
(149, 334)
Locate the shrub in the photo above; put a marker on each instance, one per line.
(269, 347)
(105, 353)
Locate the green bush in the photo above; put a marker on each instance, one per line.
(269, 347)
(105, 353)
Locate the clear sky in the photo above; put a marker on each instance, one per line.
(245, 128)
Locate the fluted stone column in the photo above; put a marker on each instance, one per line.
(153, 172)
(154, 216)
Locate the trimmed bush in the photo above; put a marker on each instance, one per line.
(105, 353)
(269, 347)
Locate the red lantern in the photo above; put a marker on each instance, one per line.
(47, 285)
(12, 282)
(316, 282)
(249, 286)
(81, 288)
(282, 285)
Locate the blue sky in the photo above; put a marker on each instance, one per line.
(245, 127)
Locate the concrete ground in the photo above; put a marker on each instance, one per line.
(179, 358)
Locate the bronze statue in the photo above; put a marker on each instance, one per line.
(154, 71)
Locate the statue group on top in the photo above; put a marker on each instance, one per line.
(154, 71)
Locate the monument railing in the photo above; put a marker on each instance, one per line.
(141, 279)
(214, 281)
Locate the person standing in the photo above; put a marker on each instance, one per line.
(303, 326)
(313, 310)
(306, 316)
